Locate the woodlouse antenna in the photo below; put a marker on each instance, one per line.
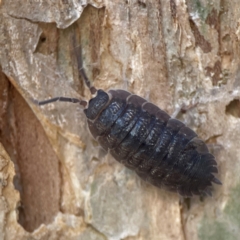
(61, 99)
(93, 90)
(78, 52)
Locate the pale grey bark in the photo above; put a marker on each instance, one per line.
(175, 53)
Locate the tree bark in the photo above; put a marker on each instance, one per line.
(56, 182)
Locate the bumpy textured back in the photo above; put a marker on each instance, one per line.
(162, 150)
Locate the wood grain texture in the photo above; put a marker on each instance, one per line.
(174, 53)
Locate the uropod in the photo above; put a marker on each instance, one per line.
(141, 136)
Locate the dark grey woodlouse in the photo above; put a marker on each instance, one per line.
(138, 134)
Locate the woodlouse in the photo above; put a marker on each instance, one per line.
(138, 134)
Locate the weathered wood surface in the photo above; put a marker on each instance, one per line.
(55, 182)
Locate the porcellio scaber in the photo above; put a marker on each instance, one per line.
(138, 134)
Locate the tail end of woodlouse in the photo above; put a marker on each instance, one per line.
(208, 191)
(203, 186)
(216, 181)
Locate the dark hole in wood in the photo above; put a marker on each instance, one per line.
(43, 39)
(233, 108)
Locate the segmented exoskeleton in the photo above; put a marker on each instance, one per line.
(138, 134)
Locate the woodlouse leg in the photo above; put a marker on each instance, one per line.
(183, 109)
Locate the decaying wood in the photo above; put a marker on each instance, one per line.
(55, 182)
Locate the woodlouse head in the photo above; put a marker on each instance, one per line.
(96, 104)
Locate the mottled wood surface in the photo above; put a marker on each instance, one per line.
(55, 182)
